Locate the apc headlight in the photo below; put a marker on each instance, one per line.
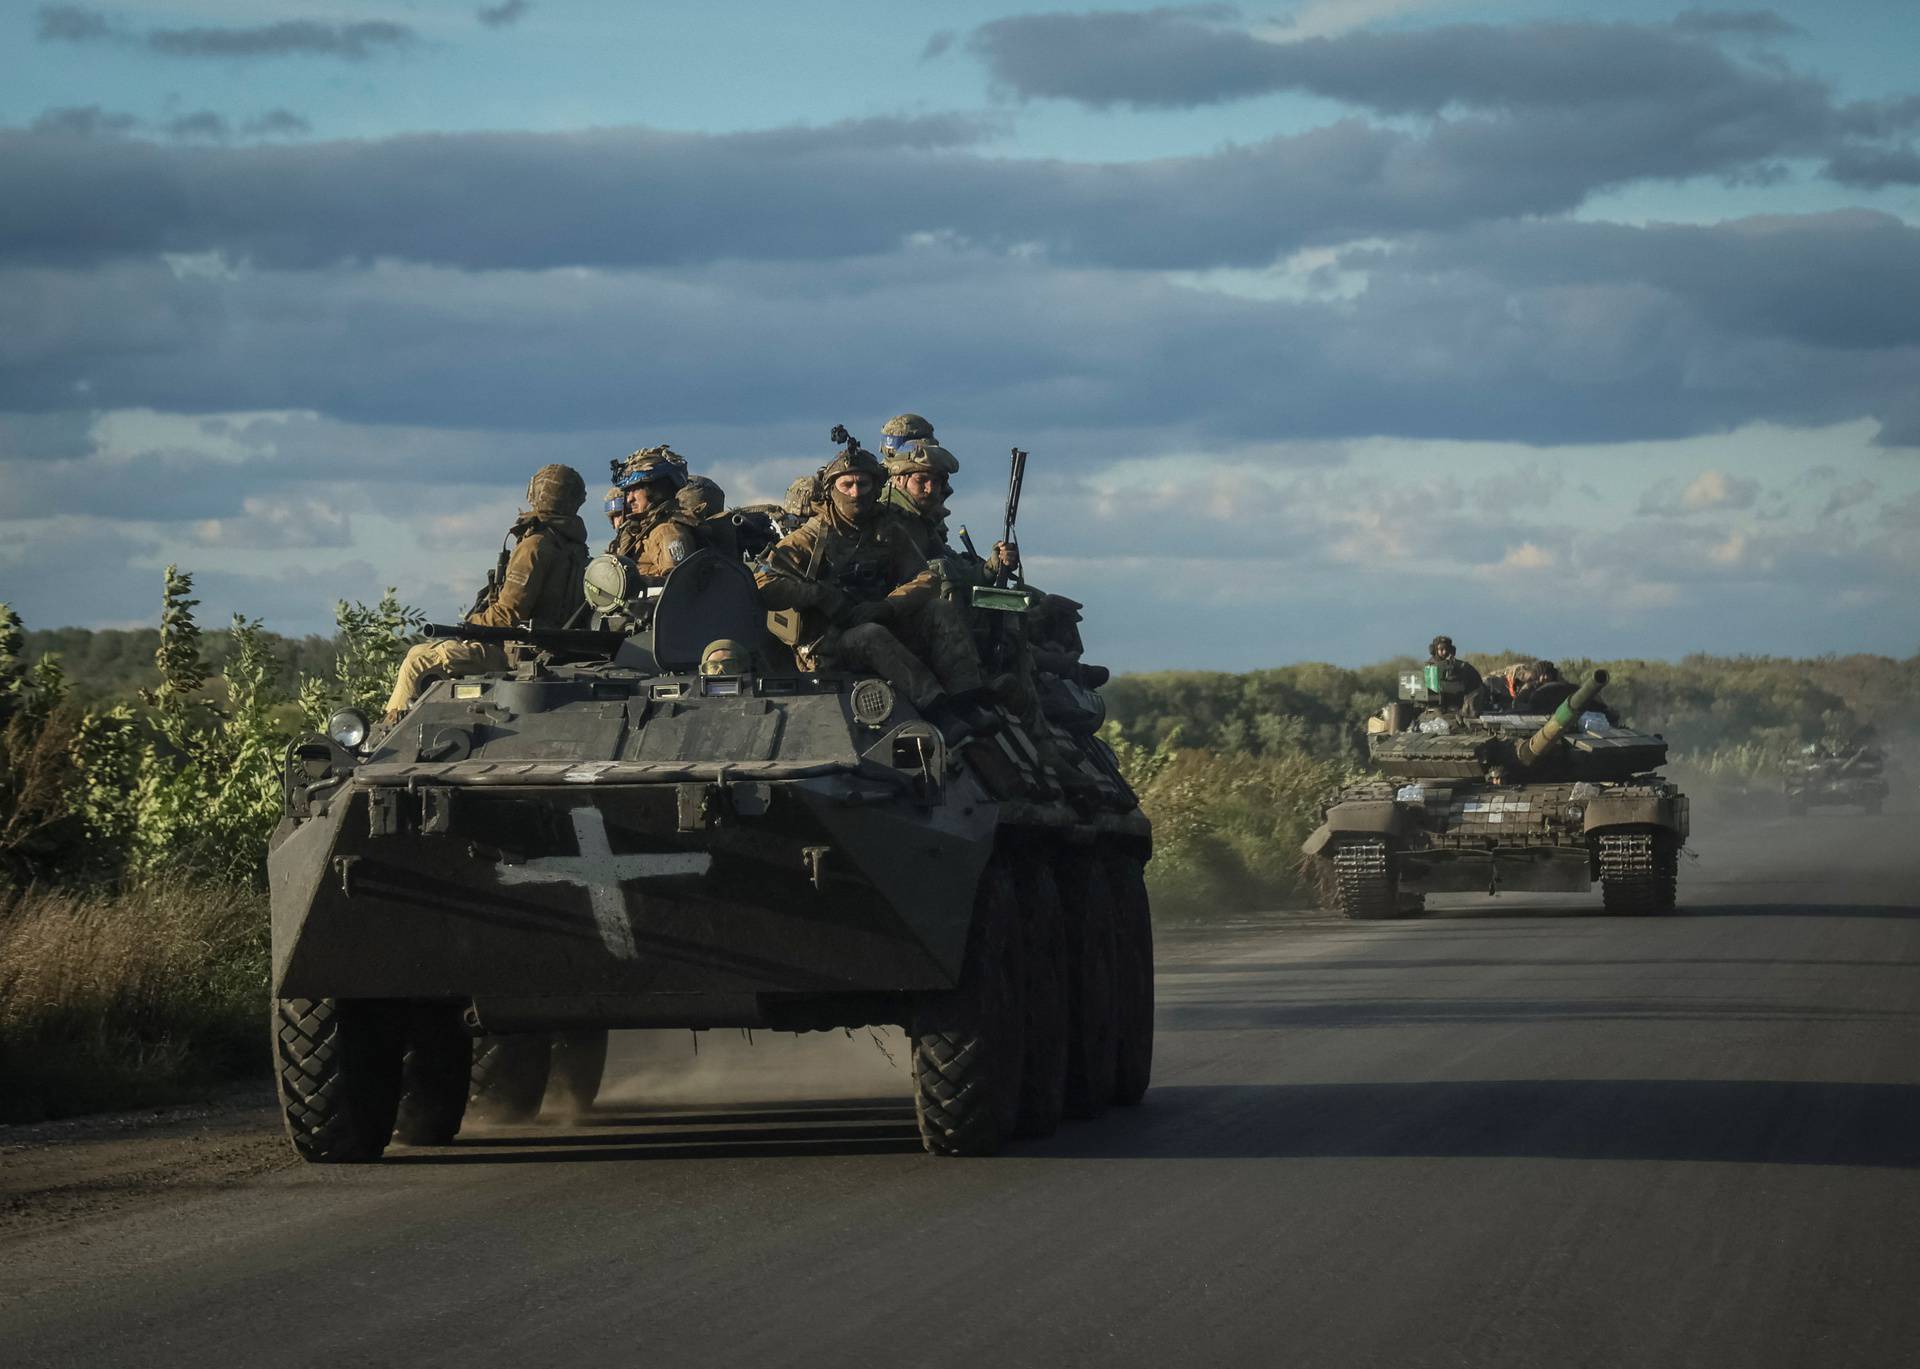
(348, 728)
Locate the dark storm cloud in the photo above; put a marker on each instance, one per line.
(1180, 58)
(1848, 280)
(1545, 333)
(83, 121)
(637, 197)
(1874, 170)
(285, 38)
(1741, 23)
(938, 45)
(501, 15)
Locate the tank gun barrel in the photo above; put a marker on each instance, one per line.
(1541, 742)
(571, 640)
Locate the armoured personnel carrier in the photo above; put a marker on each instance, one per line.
(1480, 804)
(604, 836)
(1837, 775)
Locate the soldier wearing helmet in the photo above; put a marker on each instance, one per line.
(854, 592)
(659, 531)
(615, 507)
(537, 581)
(920, 481)
(1461, 674)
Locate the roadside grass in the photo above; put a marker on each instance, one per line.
(149, 995)
(1227, 829)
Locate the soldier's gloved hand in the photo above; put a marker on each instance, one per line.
(857, 614)
(1006, 556)
(831, 600)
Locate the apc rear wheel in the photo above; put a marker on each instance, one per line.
(337, 1067)
(1092, 984)
(433, 1076)
(509, 1077)
(969, 1043)
(1133, 1053)
(579, 1065)
(1043, 1080)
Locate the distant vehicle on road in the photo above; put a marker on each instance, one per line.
(1554, 799)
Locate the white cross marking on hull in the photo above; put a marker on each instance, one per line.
(601, 873)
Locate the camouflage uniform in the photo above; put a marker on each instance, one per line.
(540, 584)
(668, 532)
(659, 539)
(867, 599)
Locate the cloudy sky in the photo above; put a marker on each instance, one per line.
(1329, 325)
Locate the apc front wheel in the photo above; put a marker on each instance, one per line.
(337, 1066)
(969, 1042)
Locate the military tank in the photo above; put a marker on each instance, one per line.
(1837, 775)
(604, 837)
(1548, 802)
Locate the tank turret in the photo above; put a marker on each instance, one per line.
(1540, 743)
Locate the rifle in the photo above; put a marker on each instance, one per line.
(1016, 476)
(567, 641)
(495, 577)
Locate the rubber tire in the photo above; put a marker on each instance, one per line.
(1133, 1054)
(434, 1076)
(1043, 1079)
(969, 1042)
(1092, 984)
(337, 1068)
(579, 1065)
(509, 1077)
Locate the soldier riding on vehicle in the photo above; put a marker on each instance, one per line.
(537, 581)
(850, 587)
(659, 531)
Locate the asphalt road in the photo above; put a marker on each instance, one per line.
(1512, 1133)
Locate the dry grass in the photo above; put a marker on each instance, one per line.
(1227, 830)
(122, 999)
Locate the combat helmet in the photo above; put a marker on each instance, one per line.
(726, 657)
(650, 465)
(922, 454)
(903, 428)
(801, 495)
(556, 489)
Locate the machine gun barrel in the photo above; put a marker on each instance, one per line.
(1016, 477)
(1541, 742)
(571, 641)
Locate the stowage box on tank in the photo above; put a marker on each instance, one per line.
(603, 837)
(1482, 804)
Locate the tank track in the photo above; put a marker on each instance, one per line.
(1366, 885)
(1636, 875)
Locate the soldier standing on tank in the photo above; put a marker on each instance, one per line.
(1440, 652)
(867, 601)
(537, 582)
(659, 532)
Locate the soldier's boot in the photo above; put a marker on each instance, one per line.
(870, 646)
